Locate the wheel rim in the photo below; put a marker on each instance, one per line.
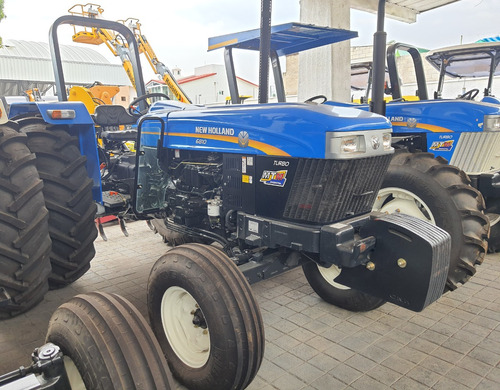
(398, 200)
(185, 327)
(74, 377)
(329, 274)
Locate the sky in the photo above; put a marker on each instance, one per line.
(179, 30)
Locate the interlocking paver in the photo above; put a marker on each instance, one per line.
(453, 344)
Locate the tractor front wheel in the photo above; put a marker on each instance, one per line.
(205, 318)
(322, 281)
(107, 344)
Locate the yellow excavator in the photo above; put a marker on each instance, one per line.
(119, 47)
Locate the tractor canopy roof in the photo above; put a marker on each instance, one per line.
(469, 60)
(286, 38)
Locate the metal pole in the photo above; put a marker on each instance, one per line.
(379, 47)
(264, 49)
(231, 76)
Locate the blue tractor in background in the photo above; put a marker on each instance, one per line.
(256, 189)
(464, 132)
(467, 63)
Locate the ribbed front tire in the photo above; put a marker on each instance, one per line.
(109, 343)
(205, 318)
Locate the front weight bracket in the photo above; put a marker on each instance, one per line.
(408, 265)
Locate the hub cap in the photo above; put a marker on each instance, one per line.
(397, 200)
(185, 327)
(329, 274)
(74, 377)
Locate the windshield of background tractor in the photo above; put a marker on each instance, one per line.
(470, 61)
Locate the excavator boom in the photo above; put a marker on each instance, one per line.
(119, 47)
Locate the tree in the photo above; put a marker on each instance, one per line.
(2, 16)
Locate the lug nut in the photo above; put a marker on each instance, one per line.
(402, 263)
(370, 266)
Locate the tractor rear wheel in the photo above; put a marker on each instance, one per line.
(205, 318)
(107, 344)
(24, 232)
(428, 188)
(68, 197)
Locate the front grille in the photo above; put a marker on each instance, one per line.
(477, 152)
(325, 191)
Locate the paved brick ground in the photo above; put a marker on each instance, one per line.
(453, 344)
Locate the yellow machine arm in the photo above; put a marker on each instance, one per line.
(119, 48)
(159, 67)
(97, 36)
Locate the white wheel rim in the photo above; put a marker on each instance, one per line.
(403, 201)
(189, 342)
(329, 274)
(74, 377)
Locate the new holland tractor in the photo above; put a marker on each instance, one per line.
(256, 189)
(467, 63)
(417, 183)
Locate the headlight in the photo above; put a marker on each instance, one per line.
(352, 144)
(386, 141)
(491, 123)
(358, 144)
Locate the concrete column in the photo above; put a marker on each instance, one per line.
(326, 70)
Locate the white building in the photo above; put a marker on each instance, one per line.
(208, 85)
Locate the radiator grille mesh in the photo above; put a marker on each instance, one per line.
(325, 191)
(477, 152)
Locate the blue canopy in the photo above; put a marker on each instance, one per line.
(286, 38)
(490, 39)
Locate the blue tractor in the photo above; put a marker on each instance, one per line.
(257, 189)
(467, 63)
(50, 215)
(421, 184)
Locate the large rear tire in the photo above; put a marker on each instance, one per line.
(428, 188)
(109, 343)
(68, 197)
(205, 318)
(24, 233)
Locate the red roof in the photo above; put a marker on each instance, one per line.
(198, 77)
(194, 78)
(246, 81)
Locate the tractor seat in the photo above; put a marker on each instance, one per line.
(119, 135)
(113, 115)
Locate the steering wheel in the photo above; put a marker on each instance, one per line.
(470, 94)
(135, 112)
(312, 99)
